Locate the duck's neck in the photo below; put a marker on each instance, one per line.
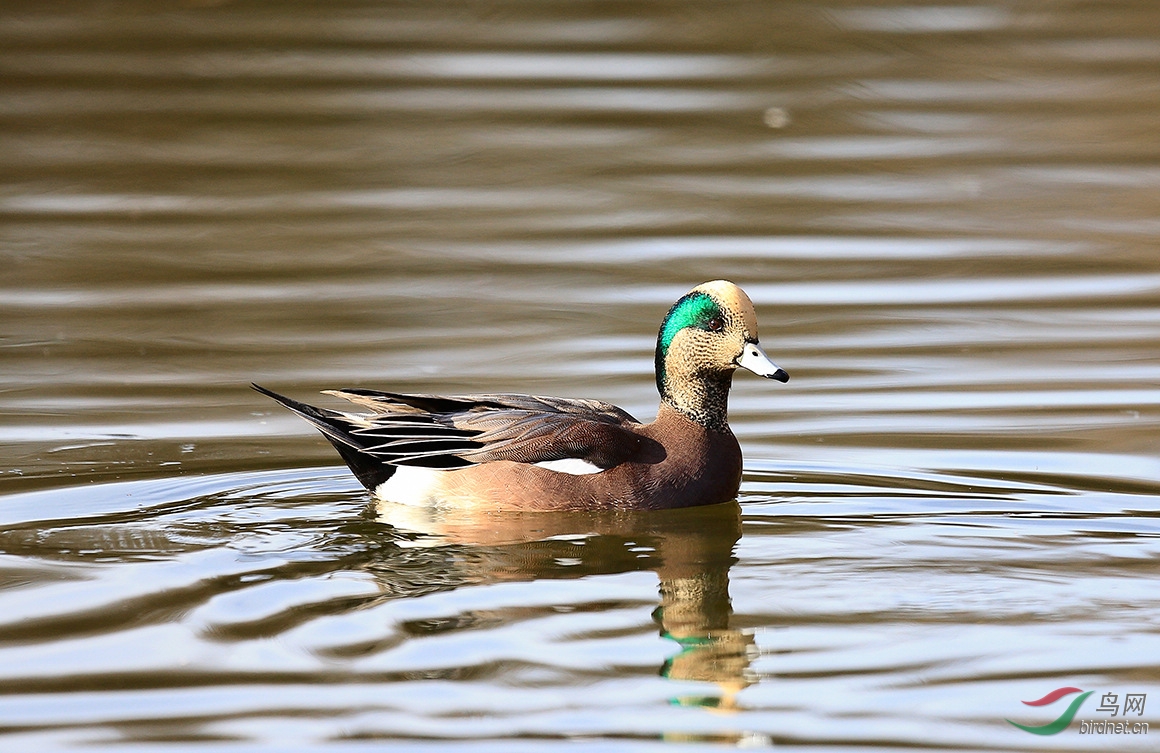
(704, 400)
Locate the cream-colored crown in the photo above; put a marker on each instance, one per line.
(732, 300)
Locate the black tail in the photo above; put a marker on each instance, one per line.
(369, 470)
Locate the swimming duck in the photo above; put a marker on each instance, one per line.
(520, 452)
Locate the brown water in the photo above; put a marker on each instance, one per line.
(947, 216)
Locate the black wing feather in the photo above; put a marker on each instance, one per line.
(453, 431)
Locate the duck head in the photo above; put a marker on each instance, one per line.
(705, 337)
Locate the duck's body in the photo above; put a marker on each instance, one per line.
(677, 464)
(519, 452)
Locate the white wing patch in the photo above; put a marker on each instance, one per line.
(573, 466)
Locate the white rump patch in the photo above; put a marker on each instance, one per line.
(574, 466)
(410, 485)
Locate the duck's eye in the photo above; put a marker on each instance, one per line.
(716, 324)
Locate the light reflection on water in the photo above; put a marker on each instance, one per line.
(850, 594)
(946, 218)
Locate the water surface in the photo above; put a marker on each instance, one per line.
(945, 214)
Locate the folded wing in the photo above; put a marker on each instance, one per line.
(433, 431)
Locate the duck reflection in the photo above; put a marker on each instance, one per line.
(690, 550)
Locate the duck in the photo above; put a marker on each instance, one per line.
(512, 452)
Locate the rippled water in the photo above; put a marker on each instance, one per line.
(946, 215)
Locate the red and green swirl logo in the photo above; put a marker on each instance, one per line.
(1064, 719)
